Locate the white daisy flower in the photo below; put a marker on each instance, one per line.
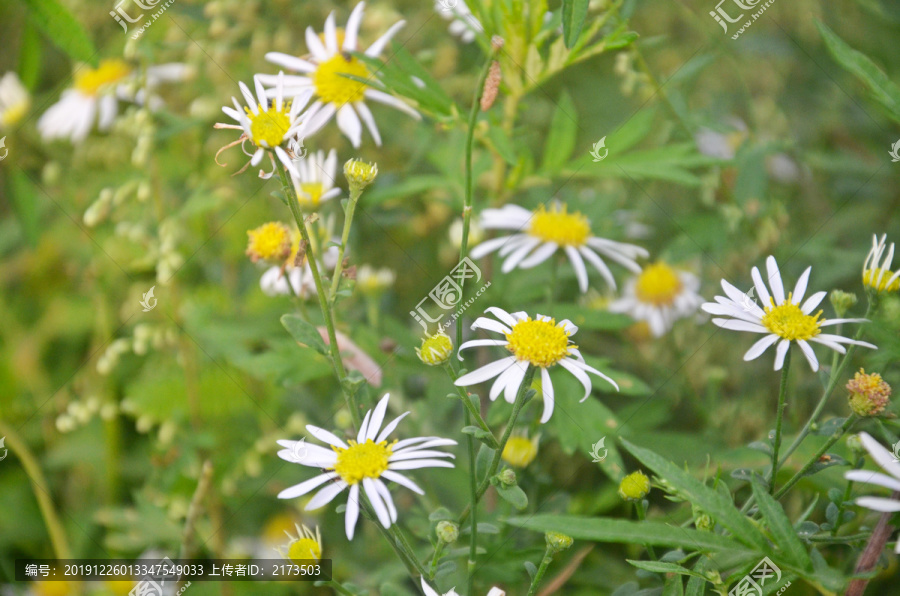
(540, 233)
(429, 591)
(315, 177)
(323, 72)
(659, 295)
(367, 461)
(877, 271)
(889, 464)
(269, 124)
(539, 342)
(14, 100)
(783, 319)
(463, 24)
(95, 96)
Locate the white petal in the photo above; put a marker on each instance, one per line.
(736, 325)
(325, 436)
(870, 477)
(547, 388)
(311, 455)
(390, 427)
(491, 325)
(759, 347)
(520, 253)
(502, 381)
(429, 591)
(375, 499)
(378, 417)
(800, 288)
(543, 252)
(315, 46)
(414, 454)
(879, 504)
(364, 428)
(352, 29)
(390, 100)
(331, 35)
(761, 290)
(882, 456)
(514, 382)
(502, 315)
(348, 123)
(402, 480)
(304, 487)
(472, 343)
(290, 62)
(812, 302)
(325, 496)
(595, 260)
(488, 371)
(780, 353)
(352, 513)
(579, 374)
(775, 279)
(488, 246)
(375, 49)
(580, 269)
(810, 355)
(420, 463)
(366, 116)
(407, 445)
(386, 495)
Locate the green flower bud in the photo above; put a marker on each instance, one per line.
(507, 477)
(842, 301)
(557, 542)
(447, 531)
(634, 487)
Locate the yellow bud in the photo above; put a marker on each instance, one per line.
(359, 173)
(635, 486)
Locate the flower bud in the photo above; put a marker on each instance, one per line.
(507, 477)
(868, 394)
(359, 173)
(842, 301)
(634, 487)
(557, 542)
(436, 349)
(447, 531)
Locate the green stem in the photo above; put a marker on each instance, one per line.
(831, 441)
(779, 418)
(327, 315)
(396, 539)
(470, 405)
(473, 490)
(642, 516)
(539, 575)
(435, 558)
(847, 492)
(355, 193)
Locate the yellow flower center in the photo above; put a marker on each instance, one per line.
(540, 343)
(271, 242)
(362, 460)
(332, 87)
(90, 80)
(789, 322)
(15, 112)
(435, 349)
(870, 276)
(311, 193)
(658, 284)
(304, 549)
(519, 451)
(269, 126)
(556, 225)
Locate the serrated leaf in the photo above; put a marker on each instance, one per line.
(716, 505)
(304, 332)
(574, 13)
(782, 530)
(513, 495)
(62, 29)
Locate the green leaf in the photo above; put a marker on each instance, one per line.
(482, 435)
(673, 587)
(58, 24)
(483, 461)
(531, 569)
(881, 88)
(304, 332)
(661, 567)
(600, 529)
(573, 14)
(715, 504)
(782, 530)
(24, 201)
(513, 495)
(503, 145)
(30, 56)
(563, 132)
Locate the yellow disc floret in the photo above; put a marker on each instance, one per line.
(335, 88)
(540, 343)
(269, 126)
(556, 225)
(871, 280)
(658, 284)
(436, 349)
(91, 80)
(789, 322)
(362, 460)
(305, 549)
(269, 242)
(310, 193)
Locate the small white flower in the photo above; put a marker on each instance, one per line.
(14, 100)
(889, 464)
(268, 124)
(95, 96)
(463, 24)
(429, 591)
(323, 71)
(367, 461)
(659, 295)
(877, 271)
(539, 342)
(540, 233)
(274, 281)
(783, 319)
(315, 177)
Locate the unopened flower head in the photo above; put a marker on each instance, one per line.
(539, 234)
(660, 295)
(305, 546)
(784, 319)
(365, 463)
(869, 393)
(507, 477)
(541, 342)
(635, 486)
(842, 301)
(14, 100)
(877, 273)
(447, 531)
(557, 541)
(269, 242)
(323, 72)
(520, 450)
(359, 173)
(436, 349)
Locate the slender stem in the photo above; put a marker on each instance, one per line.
(355, 193)
(336, 361)
(837, 522)
(435, 558)
(396, 539)
(831, 441)
(187, 535)
(779, 418)
(539, 575)
(469, 404)
(642, 516)
(473, 490)
(40, 488)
